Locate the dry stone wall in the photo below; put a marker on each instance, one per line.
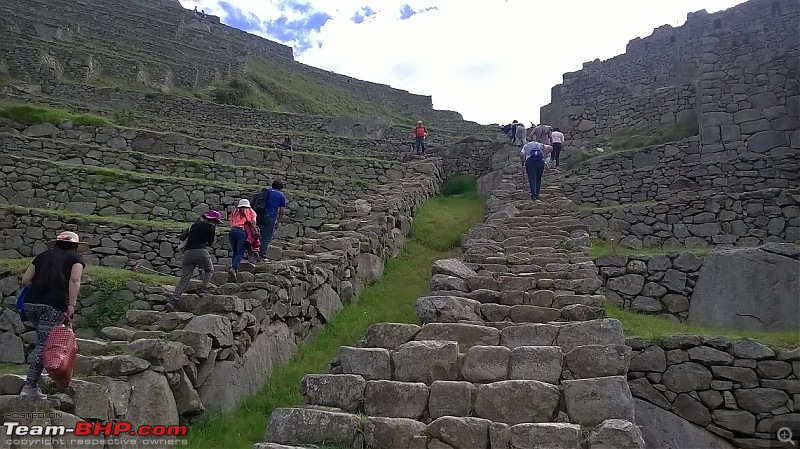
(655, 173)
(697, 219)
(742, 391)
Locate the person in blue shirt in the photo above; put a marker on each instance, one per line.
(270, 211)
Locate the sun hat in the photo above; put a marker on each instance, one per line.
(69, 236)
(244, 203)
(419, 122)
(213, 215)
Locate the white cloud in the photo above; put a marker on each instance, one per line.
(493, 60)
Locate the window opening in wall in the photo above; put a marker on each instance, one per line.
(672, 39)
(717, 24)
(776, 8)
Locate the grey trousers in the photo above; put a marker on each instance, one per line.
(45, 318)
(193, 258)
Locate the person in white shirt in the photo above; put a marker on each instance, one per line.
(558, 143)
(532, 156)
(520, 136)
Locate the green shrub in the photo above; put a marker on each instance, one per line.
(458, 184)
(110, 306)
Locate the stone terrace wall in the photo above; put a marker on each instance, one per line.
(473, 156)
(42, 184)
(657, 172)
(660, 78)
(742, 391)
(693, 219)
(659, 284)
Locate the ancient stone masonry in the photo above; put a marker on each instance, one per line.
(741, 391)
(734, 73)
(514, 352)
(657, 172)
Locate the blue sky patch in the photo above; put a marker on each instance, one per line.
(406, 11)
(297, 31)
(362, 14)
(237, 19)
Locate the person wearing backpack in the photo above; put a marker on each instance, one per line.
(54, 281)
(270, 207)
(532, 156)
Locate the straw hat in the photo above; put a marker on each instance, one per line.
(69, 236)
(244, 203)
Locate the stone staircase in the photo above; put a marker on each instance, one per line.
(514, 351)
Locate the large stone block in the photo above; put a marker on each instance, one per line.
(517, 401)
(598, 360)
(450, 398)
(311, 426)
(344, 391)
(370, 363)
(393, 399)
(747, 289)
(486, 364)
(460, 432)
(542, 363)
(591, 401)
(426, 361)
(466, 335)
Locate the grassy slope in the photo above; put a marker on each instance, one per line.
(436, 229)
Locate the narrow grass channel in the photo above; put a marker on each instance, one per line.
(435, 231)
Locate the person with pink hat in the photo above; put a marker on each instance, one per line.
(199, 236)
(54, 281)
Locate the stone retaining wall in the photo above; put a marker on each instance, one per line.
(657, 172)
(340, 188)
(742, 391)
(697, 219)
(51, 186)
(180, 146)
(659, 284)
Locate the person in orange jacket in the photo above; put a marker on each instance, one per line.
(420, 131)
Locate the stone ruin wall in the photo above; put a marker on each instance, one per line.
(682, 74)
(743, 392)
(180, 50)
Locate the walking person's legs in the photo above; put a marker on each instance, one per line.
(267, 232)
(45, 318)
(556, 152)
(531, 172)
(208, 271)
(539, 171)
(187, 270)
(238, 240)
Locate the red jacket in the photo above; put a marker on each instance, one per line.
(420, 131)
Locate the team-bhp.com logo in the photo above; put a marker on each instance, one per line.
(91, 431)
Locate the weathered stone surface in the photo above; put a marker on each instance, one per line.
(760, 400)
(169, 354)
(542, 363)
(516, 401)
(735, 420)
(709, 356)
(450, 398)
(540, 436)
(460, 432)
(616, 434)
(389, 335)
(445, 282)
(215, 326)
(467, 335)
(393, 399)
(691, 409)
(120, 365)
(642, 388)
(685, 377)
(391, 433)
(92, 400)
(426, 361)
(598, 360)
(344, 391)
(746, 377)
(591, 401)
(370, 363)
(607, 331)
(448, 309)
(751, 349)
(662, 429)
(311, 426)
(529, 335)
(151, 400)
(483, 364)
(452, 267)
(761, 291)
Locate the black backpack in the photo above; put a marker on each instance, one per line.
(259, 202)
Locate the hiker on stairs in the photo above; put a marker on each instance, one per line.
(532, 156)
(199, 236)
(242, 218)
(270, 207)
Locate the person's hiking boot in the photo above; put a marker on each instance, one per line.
(33, 392)
(202, 291)
(172, 305)
(233, 274)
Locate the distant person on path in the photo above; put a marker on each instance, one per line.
(242, 218)
(199, 236)
(520, 136)
(507, 130)
(270, 210)
(532, 156)
(54, 281)
(287, 143)
(513, 135)
(558, 143)
(420, 132)
(541, 134)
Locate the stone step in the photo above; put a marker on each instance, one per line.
(510, 414)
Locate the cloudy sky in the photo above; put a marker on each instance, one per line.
(491, 60)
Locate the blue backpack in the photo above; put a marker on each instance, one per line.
(21, 304)
(536, 153)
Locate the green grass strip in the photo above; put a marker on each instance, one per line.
(18, 266)
(655, 328)
(436, 230)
